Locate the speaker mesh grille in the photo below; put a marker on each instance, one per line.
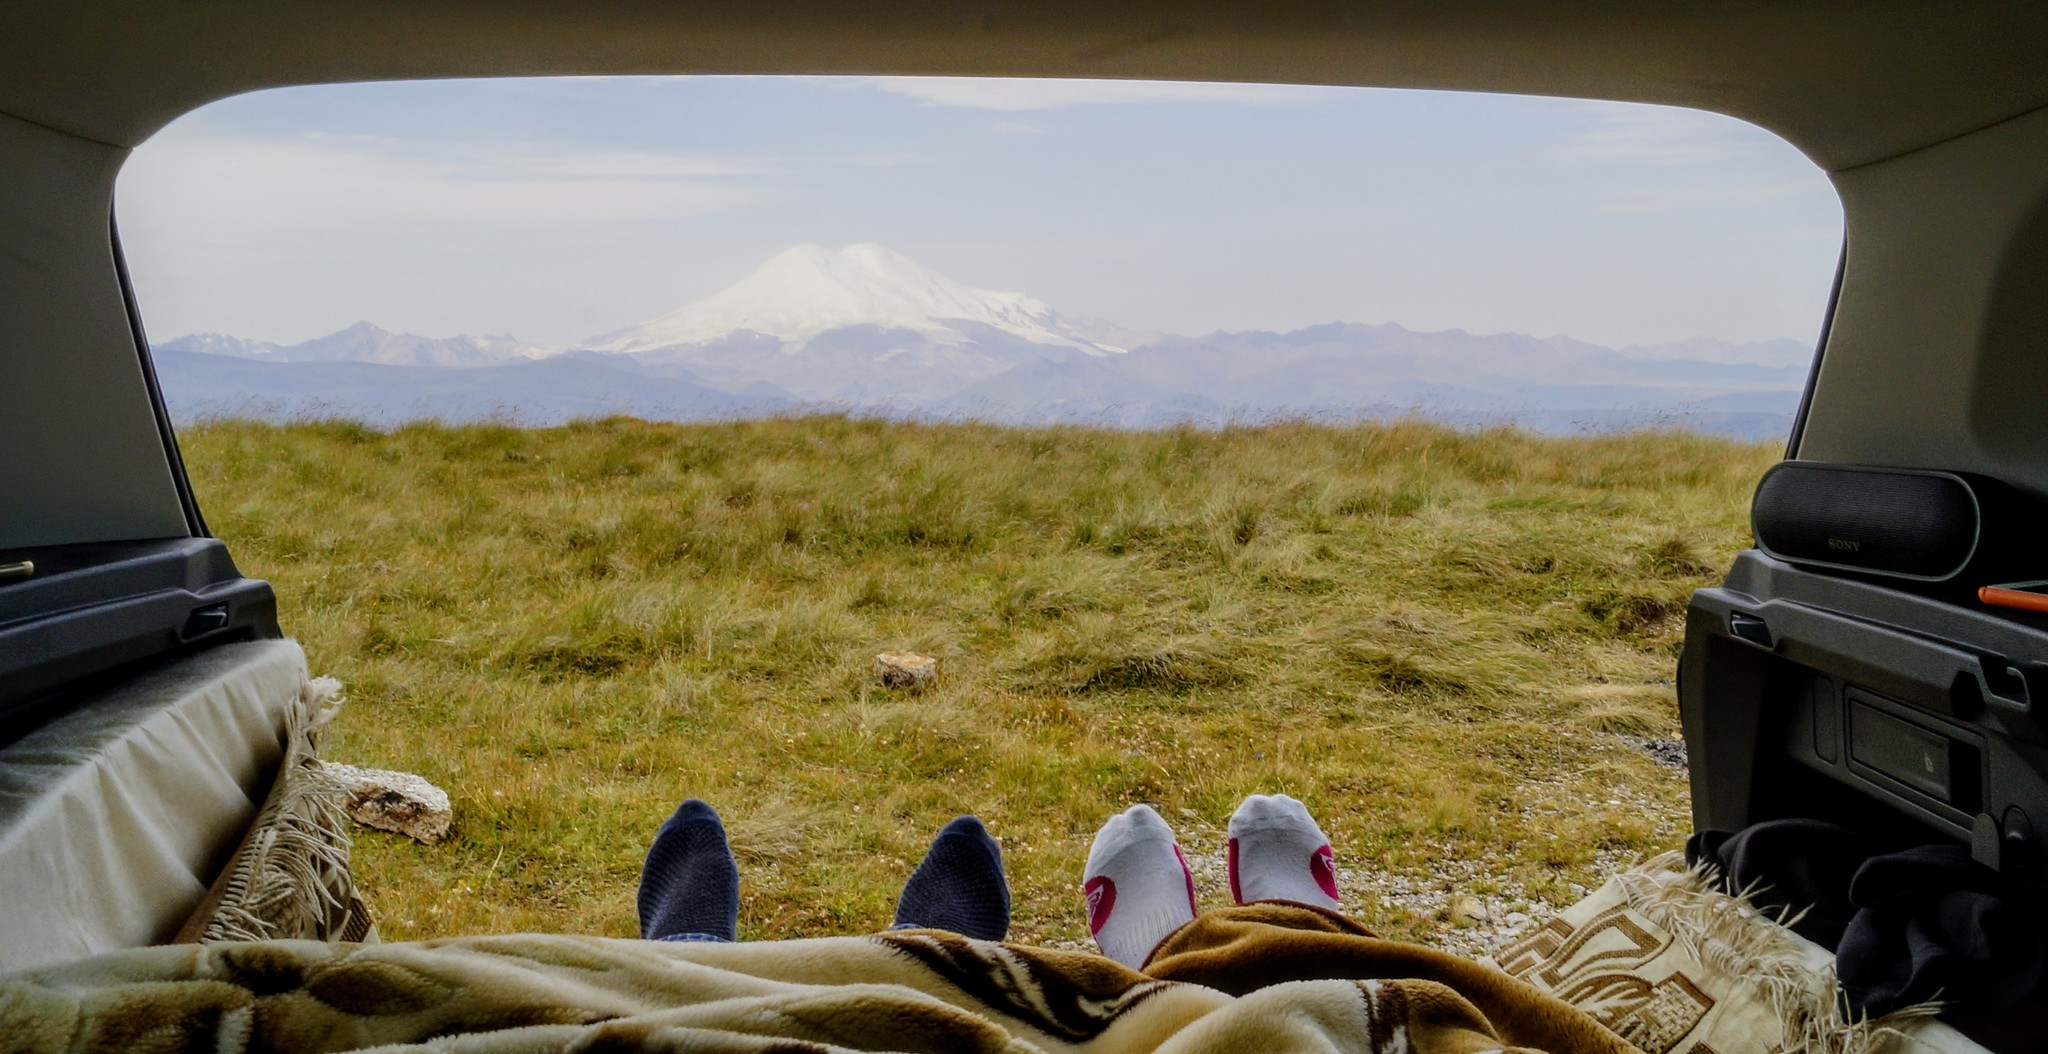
(1924, 526)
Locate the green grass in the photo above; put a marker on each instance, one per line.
(1439, 640)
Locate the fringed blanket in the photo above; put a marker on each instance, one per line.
(1270, 978)
(1675, 966)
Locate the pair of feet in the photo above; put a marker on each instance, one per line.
(690, 885)
(1139, 888)
(1137, 883)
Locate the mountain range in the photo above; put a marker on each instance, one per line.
(865, 330)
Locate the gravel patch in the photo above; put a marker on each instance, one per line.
(1667, 752)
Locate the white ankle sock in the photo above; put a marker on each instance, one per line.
(1138, 885)
(1278, 853)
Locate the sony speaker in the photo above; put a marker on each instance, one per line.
(1909, 524)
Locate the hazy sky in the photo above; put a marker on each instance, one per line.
(555, 210)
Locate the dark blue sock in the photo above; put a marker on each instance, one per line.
(959, 886)
(690, 883)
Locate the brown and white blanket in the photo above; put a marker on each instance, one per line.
(1270, 977)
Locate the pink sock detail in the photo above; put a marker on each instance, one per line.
(1101, 893)
(1236, 891)
(1323, 865)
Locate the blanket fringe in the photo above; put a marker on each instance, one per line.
(292, 877)
(1729, 934)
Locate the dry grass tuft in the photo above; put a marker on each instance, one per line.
(1438, 639)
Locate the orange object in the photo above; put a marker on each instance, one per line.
(2027, 596)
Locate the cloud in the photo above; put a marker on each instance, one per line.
(1019, 94)
(261, 191)
(1661, 135)
(1017, 128)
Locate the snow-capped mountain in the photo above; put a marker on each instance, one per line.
(364, 342)
(866, 330)
(808, 290)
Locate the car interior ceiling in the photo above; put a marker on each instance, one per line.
(1931, 120)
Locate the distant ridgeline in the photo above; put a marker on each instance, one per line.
(866, 330)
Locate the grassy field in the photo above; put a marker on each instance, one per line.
(1450, 645)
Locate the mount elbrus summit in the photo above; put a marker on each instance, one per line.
(865, 330)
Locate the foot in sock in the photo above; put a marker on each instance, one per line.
(1138, 886)
(1278, 853)
(690, 883)
(959, 886)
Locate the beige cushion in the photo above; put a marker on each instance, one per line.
(116, 817)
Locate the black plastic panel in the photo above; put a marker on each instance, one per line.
(91, 609)
(1908, 716)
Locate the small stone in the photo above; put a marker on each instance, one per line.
(394, 801)
(906, 669)
(1467, 911)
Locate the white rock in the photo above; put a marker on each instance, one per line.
(394, 801)
(906, 669)
(1468, 911)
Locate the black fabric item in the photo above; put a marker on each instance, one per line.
(1906, 927)
(1789, 865)
(690, 883)
(1929, 926)
(959, 886)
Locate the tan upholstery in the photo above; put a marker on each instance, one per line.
(115, 818)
